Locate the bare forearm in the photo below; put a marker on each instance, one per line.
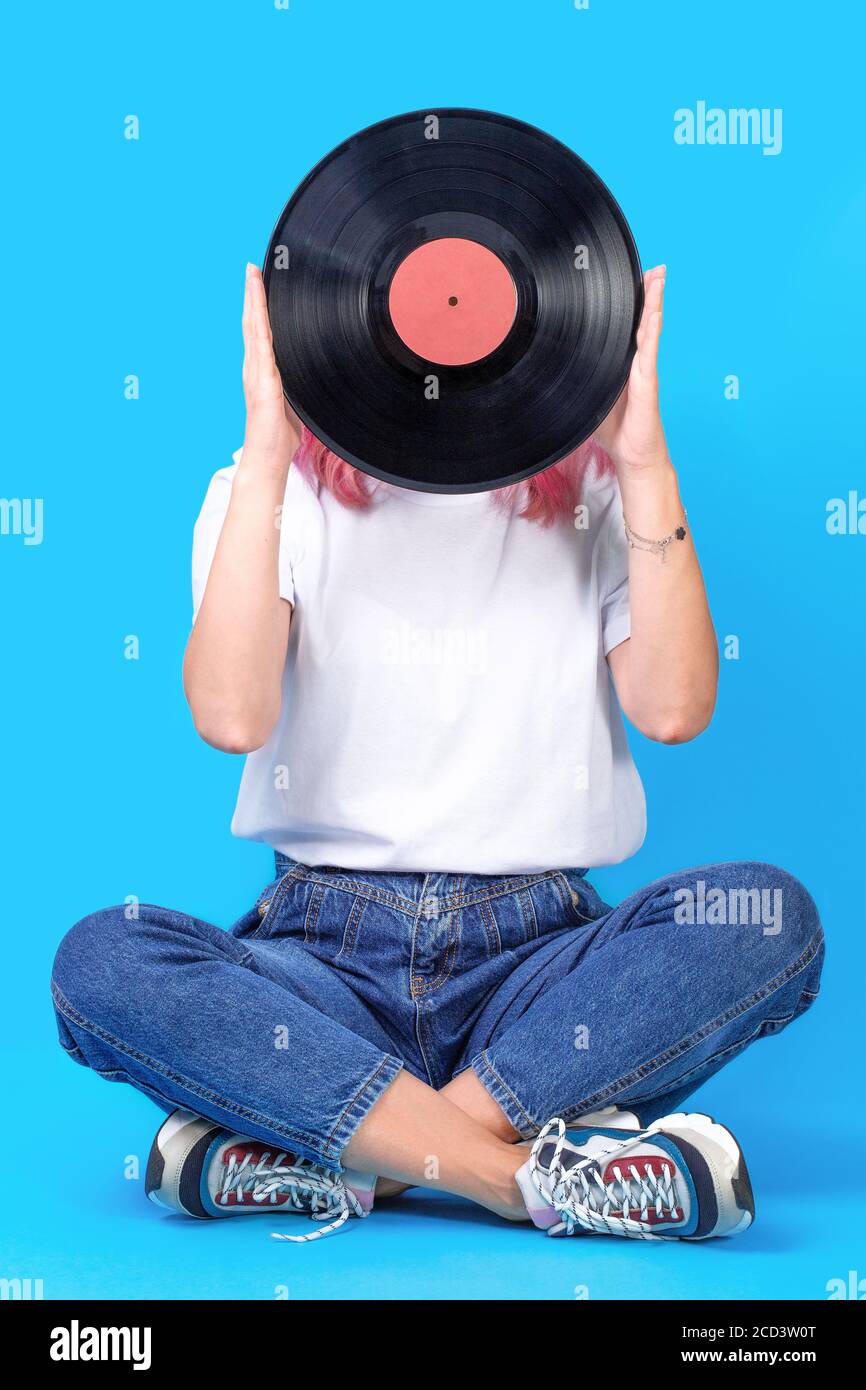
(667, 674)
(236, 653)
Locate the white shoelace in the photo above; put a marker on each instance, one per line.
(309, 1188)
(583, 1200)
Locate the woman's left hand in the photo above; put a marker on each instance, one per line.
(665, 671)
(632, 433)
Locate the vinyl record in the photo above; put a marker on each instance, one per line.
(454, 297)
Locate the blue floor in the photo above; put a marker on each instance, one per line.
(85, 1228)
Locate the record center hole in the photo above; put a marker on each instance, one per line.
(453, 299)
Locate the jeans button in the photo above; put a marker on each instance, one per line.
(263, 907)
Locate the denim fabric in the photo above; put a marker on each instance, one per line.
(289, 1026)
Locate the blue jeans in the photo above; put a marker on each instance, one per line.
(289, 1027)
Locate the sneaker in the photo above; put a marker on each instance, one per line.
(611, 1117)
(682, 1178)
(199, 1168)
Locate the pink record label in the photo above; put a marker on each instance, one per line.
(452, 301)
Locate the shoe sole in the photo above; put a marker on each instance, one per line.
(732, 1183)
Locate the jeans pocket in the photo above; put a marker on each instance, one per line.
(248, 924)
(309, 910)
(259, 920)
(580, 900)
(332, 918)
(324, 914)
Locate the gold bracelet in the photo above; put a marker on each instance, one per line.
(655, 547)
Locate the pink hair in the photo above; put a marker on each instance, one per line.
(545, 498)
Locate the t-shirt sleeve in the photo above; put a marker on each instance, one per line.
(206, 534)
(613, 580)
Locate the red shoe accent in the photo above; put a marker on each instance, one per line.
(246, 1199)
(644, 1163)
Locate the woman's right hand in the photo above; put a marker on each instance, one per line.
(273, 430)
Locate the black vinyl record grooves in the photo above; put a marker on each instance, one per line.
(454, 297)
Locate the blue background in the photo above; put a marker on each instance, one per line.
(127, 257)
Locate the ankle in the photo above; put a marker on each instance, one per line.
(390, 1187)
(502, 1192)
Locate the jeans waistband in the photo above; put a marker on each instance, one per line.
(284, 864)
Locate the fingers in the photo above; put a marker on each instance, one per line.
(247, 315)
(260, 374)
(650, 327)
(654, 290)
(658, 272)
(258, 303)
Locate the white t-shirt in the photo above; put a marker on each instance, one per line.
(447, 705)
